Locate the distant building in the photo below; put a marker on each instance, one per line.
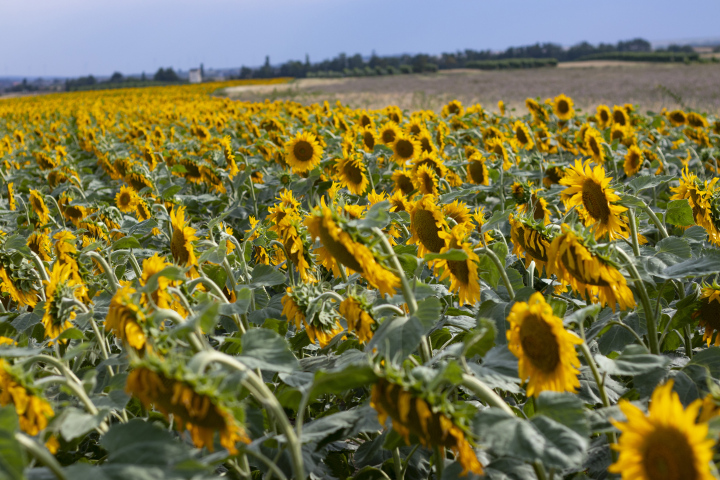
(194, 75)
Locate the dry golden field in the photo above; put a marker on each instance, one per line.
(652, 86)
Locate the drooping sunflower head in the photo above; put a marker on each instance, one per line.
(40, 244)
(563, 107)
(696, 120)
(33, 410)
(667, 443)
(37, 202)
(594, 145)
(303, 153)
(677, 117)
(432, 423)
(320, 322)
(458, 211)
(426, 223)
(463, 274)
(553, 175)
(588, 189)
(547, 359)
(577, 263)
(194, 407)
(708, 312)
(356, 312)
(403, 182)
(426, 142)
(11, 196)
(125, 318)
(536, 207)
(530, 240)
(182, 238)
(61, 285)
(353, 174)
(369, 139)
(454, 107)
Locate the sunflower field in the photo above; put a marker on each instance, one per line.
(194, 287)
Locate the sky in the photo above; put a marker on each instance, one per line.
(81, 37)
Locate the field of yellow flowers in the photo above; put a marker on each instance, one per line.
(194, 287)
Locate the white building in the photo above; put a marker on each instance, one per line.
(194, 75)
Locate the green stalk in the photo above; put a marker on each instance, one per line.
(485, 393)
(41, 454)
(503, 274)
(112, 281)
(634, 231)
(649, 317)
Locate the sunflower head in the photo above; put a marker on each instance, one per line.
(454, 107)
(320, 322)
(405, 148)
(547, 359)
(125, 318)
(426, 180)
(403, 182)
(356, 312)
(353, 174)
(563, 107)
(633, 161)
(426, 223)
(463, 274)
(553, 175)
(604, 116)
(530, 240)
(182, 238)
(32, 409)
(667, 443)
(37, 202)
(389, 133)
(477, 171)
(303, 153)
(523, 137)
(677, 117)
(620, 116)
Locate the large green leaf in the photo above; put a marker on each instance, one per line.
(265, 349)
(12, 456)
(679, 213)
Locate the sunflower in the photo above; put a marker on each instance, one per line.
(21, 296)
(74, 213)
(358, 316)
(708, 312)
(38, 205)
(620, 116)
(699, 195)
(633, 161)
(323, 323)
(463, 274)
(389, 132)
(563, 107)
(594, 145)
(353, 174)
(62, 284)
(696, 120)
(161, 297)
(426, 223)
(41, 245)
(182, 238)
(604, 116)
(426, 181)
(33, 411)
(126, 200)
(403, 182)
(668, 443)
(677, 117)
(458, 211)
(412, 414)
(546, 354)
(553, 175)
(501, 107)
(538, 112)
(293, 241)
(405, 148)
(529, 241)
(304, 152)
(587, 272)
(125, 318)
(200, 413)
(11, 196)
(399, 202)
(477, 170)
(523, 136)
(339, 246)
(454, 107)
(369, 139)
(588, 191)
(433, 161)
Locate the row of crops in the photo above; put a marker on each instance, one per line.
(194, 287)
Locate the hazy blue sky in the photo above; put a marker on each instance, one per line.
(80, 37)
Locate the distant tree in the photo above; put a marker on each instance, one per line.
(166, 75)
(143, 77)
(634, 45)
(116, 77)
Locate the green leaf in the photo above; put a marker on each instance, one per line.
(397, 338)
(140, 443)
(341, 425)
(169, 192)
(564, 408)
(428, 312)
(126, 243)
(580, 315)
(12, 456)
(241, 304)
(76, 423)
(497, 217)
(454, 254)
(679, 213)
(266, 276)
(695, 267)
(216, 273)
(634, 360)
(648, 181)
(709, 357)
(71, 333)
(677, 246)
(481, 339)
(265, 349)
(376, 217)
(352, 376)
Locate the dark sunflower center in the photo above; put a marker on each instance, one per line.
(365, 121)
(353, 173)
(594, 146)
(553, 174)
(678, 117)
(710, 315)
(124, 199)
(404, 149)
(74, 212)
(427, 230)
(303, 150)
(634, 159)
(369, 140)
(177, 247)
(563, 107)
(415, 129)
(619, 117)
(460, 270)
(404, 183)
(430, 164)
(539, 212)
(388, 135)
(667, 455)
(338, 250)
(594, 201)
(604, 116)
(539, 344)
(520, 134)
(428, 183)
(426, 145)
(453, 109)
(477, 172)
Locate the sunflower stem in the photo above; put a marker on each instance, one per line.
(262, 393)
(60, 214)
(649, 317)
(133, 261)
(112, 281)
(394, 308)
(634, 232)
(78, 390)
(41, 454)
(268, 463)
(40, 266)
(661, 228)
(210, 284)
(539, 470)
(252, 192)
(100, 338)
(531, 274)
(487, 251)
(397, 464)
(485, 393)
(332, 295)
